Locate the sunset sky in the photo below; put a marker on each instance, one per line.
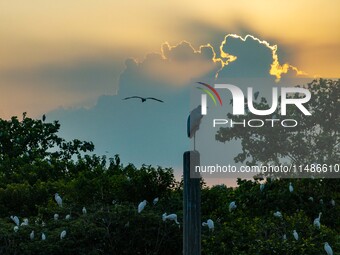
(66, 56)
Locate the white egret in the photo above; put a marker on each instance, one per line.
(311, 199)
(284, 237)
(24, 222)
(278, 214)
(155, 201)
(141, 206)
(291, 189)
(316, 222)
(67, 217)
(43, 224)
(333, 202)
(84, 210)
(232, 206)
(16, 220)
(58, 199)
(62, 234)
(328, 249)
(16, 228)
(43, 237)
(170, 217)
(56, 216)
(210, 224)
(321, 201)
(296, 235)
(114, 202)
(262, 187)
(32, 235)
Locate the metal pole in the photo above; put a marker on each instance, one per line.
(191, 204)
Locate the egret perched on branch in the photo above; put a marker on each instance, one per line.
(58, 199)
(296, 235)
(316, 222)
(262, 187)
(291, 189)
(84, 210)
(278, 214)
(16, 220)
(43, 237)
(141, 206)
(332, 202)
(193, 123)
(328, 249)
(32, 235)
(232, 206)
(67, 217)
(56, 216)
(16, 228)
(25, 222)
(210, 224)
(311, 199)
(155, 201)
(170, 217)
(62, 234)
(321, 201)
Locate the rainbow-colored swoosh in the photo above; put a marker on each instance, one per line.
(209, 92)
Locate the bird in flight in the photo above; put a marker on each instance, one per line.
(144, 98)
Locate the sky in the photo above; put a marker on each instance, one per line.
(75, 60)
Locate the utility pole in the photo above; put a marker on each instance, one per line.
(191, 204)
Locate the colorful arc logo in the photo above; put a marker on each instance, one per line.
(211, 89)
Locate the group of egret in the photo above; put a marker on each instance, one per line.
(316, 222)
(142, 204)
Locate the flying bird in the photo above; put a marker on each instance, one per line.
(170, 217)
(141, 206)
(210, 224)
(58, 199)
(144, 98)
(193, 123)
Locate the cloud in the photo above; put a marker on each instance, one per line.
(248, 49)
(175, 65)
(153, 132)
